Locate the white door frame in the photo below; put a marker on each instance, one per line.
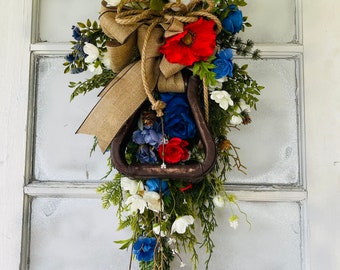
(14, 80)
(321, 78)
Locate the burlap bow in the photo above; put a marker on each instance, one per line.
(133, 31)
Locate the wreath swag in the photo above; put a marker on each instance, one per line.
(171, 95)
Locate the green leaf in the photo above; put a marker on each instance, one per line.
(156, 5)
(81, 25)
(67, 69)
(125, 243)
(88, 23)
(95, 25)
(195, 69)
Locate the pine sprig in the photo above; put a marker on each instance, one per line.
(243, 86)
(112, 193)
(205, 212)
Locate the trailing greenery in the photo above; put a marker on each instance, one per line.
(97, 81)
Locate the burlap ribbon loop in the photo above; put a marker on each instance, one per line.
(132, 31)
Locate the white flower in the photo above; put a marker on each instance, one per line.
(180, 224)
(96, 70)
(131, 185)
(157, 230)
(218, 85)
(219, 200)
(136, 203)
(182, 265)
(236, 120)
(153, 201)
(106, 60)
(223, 79)
(233, 221)
(242, 106)
(222, 98)
(112, 2)
(185, 2)
(171, 241)
(91, 51)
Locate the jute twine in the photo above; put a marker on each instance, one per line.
(178, 11)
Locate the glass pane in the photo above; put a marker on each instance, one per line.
(75, 234)
(60, 154)
(272, 21)
(269, 147)
(272, 242)
(78, 234)
(56, 17)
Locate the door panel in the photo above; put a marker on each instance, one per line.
(67, 227)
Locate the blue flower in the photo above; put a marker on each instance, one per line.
(154, 184)
(70, 58)
(76, 70)
(233, 22)
(178, 121)
(79, 50)
(145, 155)
(148, 135)
(76, 33)
(224, 65)
(144, 248)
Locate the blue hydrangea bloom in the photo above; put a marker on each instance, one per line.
(154, 184)
(148, 135)
(145, 155)
(76, 34)
(224, 65)
(233, 22)
(144, 248)
(178, 120)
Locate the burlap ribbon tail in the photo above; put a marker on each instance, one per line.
(126, 92)
(132, 31)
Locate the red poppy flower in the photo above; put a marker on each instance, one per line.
(197, 42)
(174, 151)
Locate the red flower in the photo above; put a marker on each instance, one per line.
(182, 189)
(174, 151)
(197, 42)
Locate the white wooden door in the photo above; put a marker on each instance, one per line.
(51, 217)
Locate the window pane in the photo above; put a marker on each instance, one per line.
(272, 242)
(269, 147)
(60, 154)
(75, 234)
(56, 17)
(78, 234)
(272, 21)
